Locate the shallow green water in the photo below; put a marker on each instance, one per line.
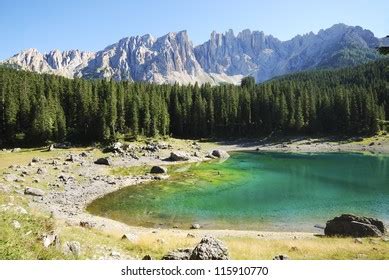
(262, 191)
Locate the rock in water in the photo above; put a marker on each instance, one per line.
(355, 226)
(210, 248)
(178, 156)
(34, 192)
(103, 161)
(158, 170)
(179, 254)
(220, 154)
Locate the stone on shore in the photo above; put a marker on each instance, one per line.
(34, 192)
(158, 170)
(179, 254)
(178, 156)
(50, 239)
(354, 226)
(103, 161)
(281, 257)
(220, 154)
(210, 248)
(195, 226)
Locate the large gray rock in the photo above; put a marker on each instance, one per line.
(210, 248)
(220, 154)
(355, 226)
(179, 156)
(33, 192)
(179, 254)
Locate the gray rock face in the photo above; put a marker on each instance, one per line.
(210, 248)
(224, 58)
(355, 226)
(263, 56)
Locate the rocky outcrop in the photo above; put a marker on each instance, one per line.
(224, 58)
(355, 226)
(210, 248)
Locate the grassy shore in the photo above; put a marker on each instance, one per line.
(104, 241)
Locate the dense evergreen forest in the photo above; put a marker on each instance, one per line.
(35, 108)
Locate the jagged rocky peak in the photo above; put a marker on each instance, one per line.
(225, 57)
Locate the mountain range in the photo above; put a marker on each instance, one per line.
(224, 58)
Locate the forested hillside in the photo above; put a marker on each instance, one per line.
(37, 108)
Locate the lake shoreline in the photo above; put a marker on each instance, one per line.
(67, 203)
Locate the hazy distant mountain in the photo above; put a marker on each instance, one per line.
(224, 58)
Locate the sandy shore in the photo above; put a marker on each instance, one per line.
(74, 180)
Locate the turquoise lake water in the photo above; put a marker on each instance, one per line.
(257, 191)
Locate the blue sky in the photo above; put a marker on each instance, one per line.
(92, 25)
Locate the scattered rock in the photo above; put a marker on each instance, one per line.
(115, 254)
(161, 241)
(355, 226)
(74, 247)
(178, 156)
(385, 239)
(358, 240)
(116, 147)
(191, 235)
(130, 237)
(35, 159)
(147, 258)
(209, 248)
(281, 257)
(87, 224)
(103, 161)
(16, 150)
(41, 171)
(179, 254)
(16, 224)
(33, 192)
(50, 239)
(220, 154)
(372, 144)
(158, 170)
(195, 226)
(51, 148)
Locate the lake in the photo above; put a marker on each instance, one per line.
(257, 191)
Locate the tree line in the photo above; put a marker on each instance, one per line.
(36, 108)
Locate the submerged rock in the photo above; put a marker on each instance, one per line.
(355, 226)
(158, 170)
(210, 248)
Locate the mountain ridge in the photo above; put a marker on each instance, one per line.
(223, 58)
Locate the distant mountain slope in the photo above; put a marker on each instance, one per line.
(224, 58)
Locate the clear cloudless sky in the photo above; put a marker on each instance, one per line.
(94, 24)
